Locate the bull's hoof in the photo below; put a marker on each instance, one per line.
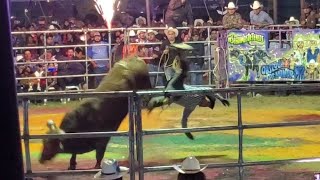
(72, 167)
(189, 135)
(97, 166)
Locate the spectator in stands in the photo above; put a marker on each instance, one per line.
(126, 19)
(152, 36)
(50, 69)
(232, 20)
(70, 68)
(110, 170)
(81, 55)
(190, 170)
(141, 22)
(28, 84)
(161, 35)
(258, 17)
(169, 56)
(99, 56)
(308, 17)
(177, 12)
(130, 49)
(27, 58)
(117, 50)
(142, 38)
(57, 36)
(210, 51)
(154, 59)
(196, 63)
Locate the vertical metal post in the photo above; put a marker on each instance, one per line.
(86, 52)
(139, 136)
(11, 156)
(26, 135)
(110, 48)
(275, 11)
(210, 58)
(131, 137)
(240, 128)
(148, 13)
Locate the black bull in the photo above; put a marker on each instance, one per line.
(98, 114)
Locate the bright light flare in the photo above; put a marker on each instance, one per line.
(106, 9)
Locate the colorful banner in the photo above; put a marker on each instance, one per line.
(252, 57)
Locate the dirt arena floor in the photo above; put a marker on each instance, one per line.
(214, 147)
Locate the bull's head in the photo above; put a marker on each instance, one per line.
(51, 147)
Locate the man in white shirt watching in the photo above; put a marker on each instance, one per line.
(258, 17)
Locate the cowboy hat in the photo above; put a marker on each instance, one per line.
(292, 20)
(231, 5)
(190, 165)
(140, 31)
(182, 46)
(173, 30)
(306, 6)
(142, 18)
(256, 5)
(111, 170)
(132, 33)
(198, 21)
(152, 31)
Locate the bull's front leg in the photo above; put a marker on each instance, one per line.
(73, 162)
(100, 150)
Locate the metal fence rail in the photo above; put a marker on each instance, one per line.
(136, 133)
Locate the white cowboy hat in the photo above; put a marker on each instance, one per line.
(231, 5)
(140, 31)
(198, 21)
(256, 5)
(152, 31)
(182, 46)
(171, 29)
(142, 18)
(292, 20)
(132, 33)
(111, 170)
(190, 165)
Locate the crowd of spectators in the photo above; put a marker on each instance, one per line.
(150, 45)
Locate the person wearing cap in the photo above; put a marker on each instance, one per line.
(232, 20)
(110, 170)
(99, 56)
(177, 12)
(308, 17)
(259, 17)
(190, 169)
(154, 61)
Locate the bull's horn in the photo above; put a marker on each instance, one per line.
(51, 125)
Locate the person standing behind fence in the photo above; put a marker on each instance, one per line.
(308, 17)
(177, 12)
(196, 63)
(258, 17)
(168, 56)
(110, 170)
(99, 56)
(190, 169)
(232, 20)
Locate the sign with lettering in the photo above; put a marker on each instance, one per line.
(246, 52)
(252, 56)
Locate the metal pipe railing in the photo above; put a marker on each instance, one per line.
(135, 114)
